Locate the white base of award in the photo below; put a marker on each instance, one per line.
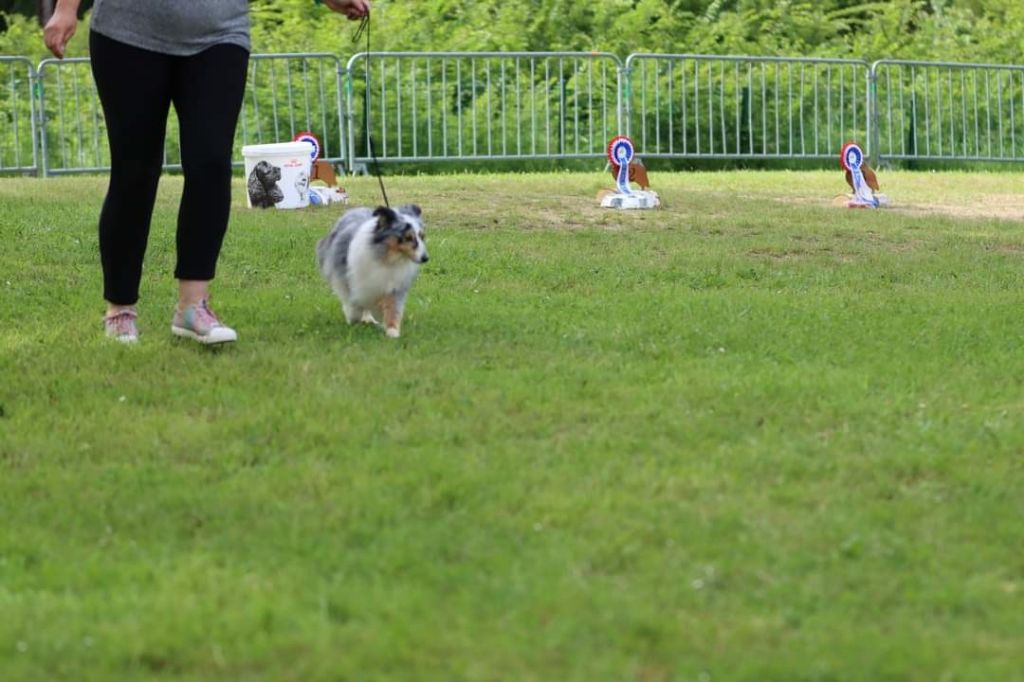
(881, 201)
(635, 199)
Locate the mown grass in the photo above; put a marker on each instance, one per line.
(746, 437)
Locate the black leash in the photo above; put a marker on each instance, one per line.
(364, 27)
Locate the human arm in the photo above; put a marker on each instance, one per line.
(61, 26)
(353, 9)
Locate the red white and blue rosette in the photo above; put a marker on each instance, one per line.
(306, 136)
(851, 157)
(620, 153)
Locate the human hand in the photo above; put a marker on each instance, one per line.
(59, 29)
(353, 9)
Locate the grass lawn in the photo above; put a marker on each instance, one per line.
(746, 437)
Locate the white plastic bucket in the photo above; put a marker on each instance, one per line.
(277, 174)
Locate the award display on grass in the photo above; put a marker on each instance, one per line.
(861, 179)
(323, 183)
(626, 169)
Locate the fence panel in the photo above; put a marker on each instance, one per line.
(18, 150)
(431, 106)
(690, 106)
(436, 106)
(73, 137)
(285, 94)
(291, 93)
(949, 111)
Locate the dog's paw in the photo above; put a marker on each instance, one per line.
(368, 318)
(392, 333)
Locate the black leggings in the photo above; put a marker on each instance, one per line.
(136, 88)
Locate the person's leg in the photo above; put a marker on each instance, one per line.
(207, 95)
(134, 90)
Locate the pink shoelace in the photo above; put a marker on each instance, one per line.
(205, 316)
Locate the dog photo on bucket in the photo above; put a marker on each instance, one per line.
(263, 189)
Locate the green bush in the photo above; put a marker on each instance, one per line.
(949, 30)
(946, 30)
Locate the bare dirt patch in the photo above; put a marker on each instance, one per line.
(1000, 206)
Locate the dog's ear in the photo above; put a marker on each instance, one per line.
(413, 209)
(385, 217)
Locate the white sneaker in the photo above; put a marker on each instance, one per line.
(198, 322)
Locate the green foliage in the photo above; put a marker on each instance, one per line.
(957, 30)
(951, 30)
(913, 29)
(24, 38)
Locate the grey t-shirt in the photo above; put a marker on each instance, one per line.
(178, 27)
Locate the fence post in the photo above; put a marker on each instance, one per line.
(625, 111)
(343, 122)
(874, 127)
(350, 118)
(39, 99)
(35, 112)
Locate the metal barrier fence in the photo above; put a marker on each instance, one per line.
(948, 111)
(291, 93)
(18, 149)
(285, 94)
(72, 135)
(692, 106)
(466, 106)
(430, 106)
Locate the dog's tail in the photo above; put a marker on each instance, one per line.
(322, 248)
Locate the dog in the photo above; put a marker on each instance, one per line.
(302, 185)
(263, 189)
(371, 258)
